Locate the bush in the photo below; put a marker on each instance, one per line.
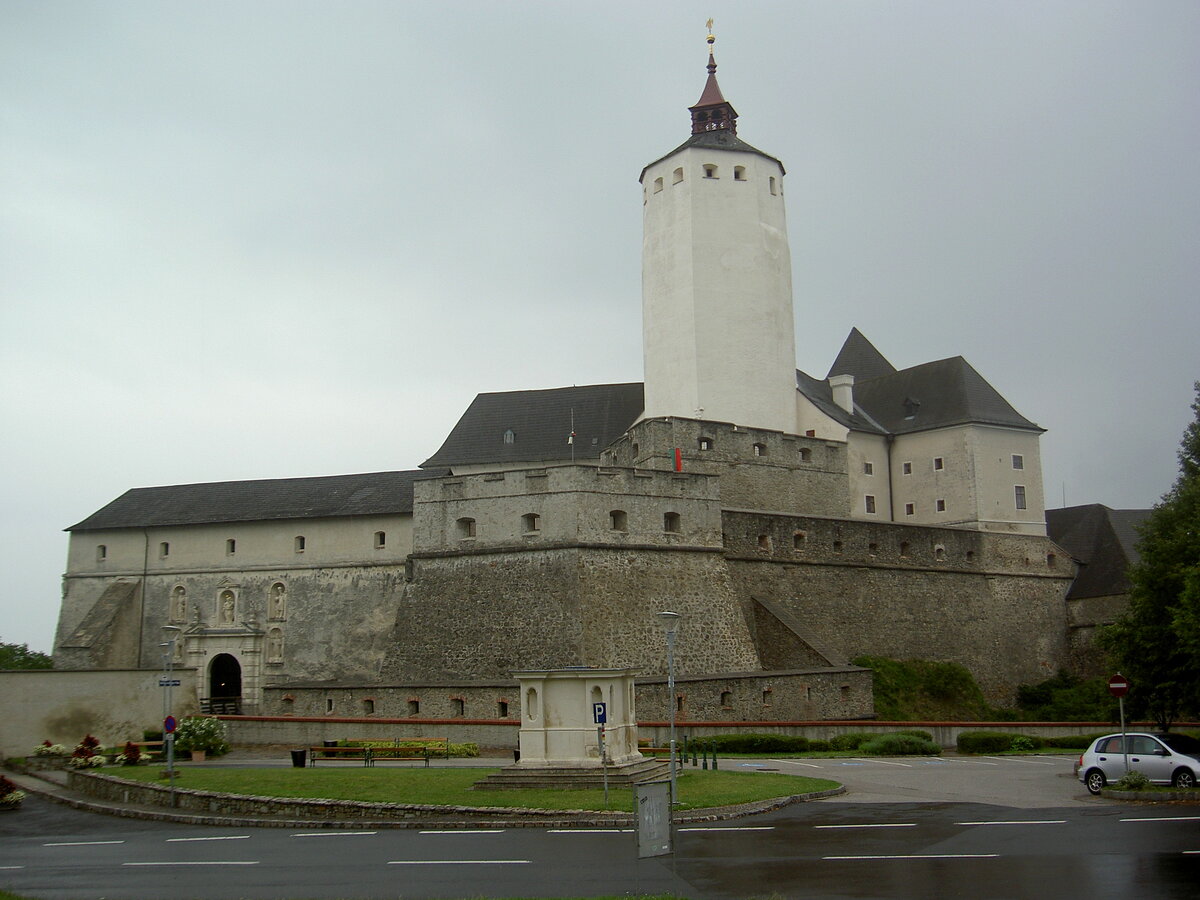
(994, 741)
(818, 746)
(851, 741)
(201, 733)
(916, 732)
(1021, 742)
(1133, 780)
(1066, 698)
(753, 743)
(924, 689)
(900, 744)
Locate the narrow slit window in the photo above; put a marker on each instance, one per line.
(301, 543)
(101, 552)
(230, 547)
(164, 550)
(380, 540)
(774, 186)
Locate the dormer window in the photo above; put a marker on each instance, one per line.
(510, 437)
(911, 407)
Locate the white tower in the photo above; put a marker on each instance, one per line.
(717, 321)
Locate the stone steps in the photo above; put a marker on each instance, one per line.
(563, 778)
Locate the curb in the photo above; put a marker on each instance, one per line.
(455, 817)
(1181, 796)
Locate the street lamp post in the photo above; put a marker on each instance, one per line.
(171, 633)
(671, 621)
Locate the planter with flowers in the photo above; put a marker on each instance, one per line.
(131, 755)
(201, 736)
(86, 754)
(48, 756)
(10, 795)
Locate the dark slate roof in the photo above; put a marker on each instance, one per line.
(1102, 540)
(250, 501)
(541, 423)
(935, 395)
(858, 357)
(714, 140)
(820, 394)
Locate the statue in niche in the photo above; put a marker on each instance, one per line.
(228, 608)
(278, 601)
(179, 605)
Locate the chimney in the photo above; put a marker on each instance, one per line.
(843, 391)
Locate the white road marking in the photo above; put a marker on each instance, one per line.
(883, 762)
(81, 843)
(458, 862)
(1164, 819)
(227, 862)
(1033, 762)
(333, 833)
(589, 831)
(924, 856)
(228, 837)
(873, 825)
(731, 828)
(1029, 822)
(792, 762)
(974, 762)
(464, 831)
(5, 868)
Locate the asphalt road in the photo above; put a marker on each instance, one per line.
(1047, 838)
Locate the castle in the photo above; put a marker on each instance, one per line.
(794, 522)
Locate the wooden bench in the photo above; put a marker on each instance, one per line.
(406, 749)
(371, 749)
(363, 753)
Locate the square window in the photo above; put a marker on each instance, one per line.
(868, 468)
(706, 443)
(1018, 461)
(906, 468)
(910, 509)
(939, 463)
(941, 505)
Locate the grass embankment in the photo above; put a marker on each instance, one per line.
(452, 787)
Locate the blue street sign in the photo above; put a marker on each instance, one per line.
(599, 713)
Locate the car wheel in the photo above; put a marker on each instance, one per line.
(1184, 779)
(1095, 781)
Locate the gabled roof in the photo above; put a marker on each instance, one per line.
(1102, 540)
(540, 423)
(820, 394)
(377, 493)
(858, 357)
(935, 395)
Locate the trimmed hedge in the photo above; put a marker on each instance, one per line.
(851, 741)
(900, 744)
(753, 743)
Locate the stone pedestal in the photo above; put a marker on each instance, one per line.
(559, 741)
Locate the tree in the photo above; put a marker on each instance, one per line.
(19, 656)
(1156, 642)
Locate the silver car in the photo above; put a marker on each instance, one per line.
(1163, 758)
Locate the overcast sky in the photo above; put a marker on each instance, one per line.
(270, 239)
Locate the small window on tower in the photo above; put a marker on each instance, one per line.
(658, 184)
(1018, 461)
(941, 505)
(706, 443)
(739, 173)
(677, 177)
(870, 504)
(760, 449)
(939, 463)
(868, 468)
(774, 187)
(466, 527)
(532, 522)
(671, 522)
(910, 509)
(1019, 491)
(164, 550)
(101, 552)
(380, 540)
(805, 454)
(230, 547)
(617, 520)
(906, 468)
(710, 171)
(300, 543)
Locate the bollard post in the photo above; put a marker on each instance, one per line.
(714, 757)
(704, 756)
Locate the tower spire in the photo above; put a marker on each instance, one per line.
(712, 112)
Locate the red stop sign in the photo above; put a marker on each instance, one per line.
(1118, 685)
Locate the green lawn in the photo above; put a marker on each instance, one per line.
(452, 787)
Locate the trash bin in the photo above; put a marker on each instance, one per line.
(329, 743)
(516, 756)
(299, 758)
